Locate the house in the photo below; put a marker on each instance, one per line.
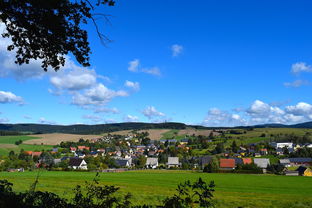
(184, 141)
(262, 162)
(306, 161)
(36, 154)
(205, 160)
(281, 145)
(77, 163)
(57, 161)
(285, 162)
(247, 161)
(238, 161)
(227, 164)
(257, 154)
(151, 162)
(73, 149)
(83, 148)
(264, 151)
(304, 171)
(173, 162)
(123, 162)
(28, 153)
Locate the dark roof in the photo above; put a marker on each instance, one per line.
(300, 160)
(75, 161)
(238, 161)
(301, 170)
(205, 160)
(121, 163)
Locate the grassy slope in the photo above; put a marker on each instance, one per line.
(7, 144)
(232, 190)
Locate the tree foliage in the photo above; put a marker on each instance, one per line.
(50, 29)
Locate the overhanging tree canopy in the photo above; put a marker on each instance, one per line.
(50, 29)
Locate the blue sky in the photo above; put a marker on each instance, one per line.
(215, 63)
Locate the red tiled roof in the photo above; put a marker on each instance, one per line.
(227, 163)
(247, 160)
(36, 153)
(28, 152)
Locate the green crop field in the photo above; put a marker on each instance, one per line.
(7, 144)
(232, 190)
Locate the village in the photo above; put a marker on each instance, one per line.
(118, 153)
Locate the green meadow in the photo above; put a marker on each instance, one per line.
(7, 144)
(232, 190)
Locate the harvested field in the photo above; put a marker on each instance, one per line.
(54, 139)
(154, 134)
(196, 132)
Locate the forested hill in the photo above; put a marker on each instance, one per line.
(91, 129)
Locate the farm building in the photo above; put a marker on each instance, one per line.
(285, 162)
(77, 163)
(227, 164)
(173, 162)
(151, 162)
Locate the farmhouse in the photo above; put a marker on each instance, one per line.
(77, 163)
(173, 162)
(282, 145)
(227, 164)
(151, 162)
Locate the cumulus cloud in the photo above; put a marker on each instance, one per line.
(301, 67)
(133, 85)
(301, 109)
(217, 117)
(74, 80)
(97, 95)
(134, 66)
(176, 49)
(9, 97)
(130, 118)
(296, 83)
(150, 112)
(106, 110)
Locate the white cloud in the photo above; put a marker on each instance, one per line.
(176, 49)
(217, 117)
(130, 118)
(134, 65)
(150, 112)
(9, 97)
(106, 110)
(153, 71)
(74, 80)
(97, 95)
(296, 83)
(133, 85)
(301, 67)
(301, 109)
(43, 120)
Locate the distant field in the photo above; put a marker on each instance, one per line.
(232, 190)
(56, 138)
(7, 144)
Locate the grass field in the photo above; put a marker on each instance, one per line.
(7, 144)
(232, 190)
